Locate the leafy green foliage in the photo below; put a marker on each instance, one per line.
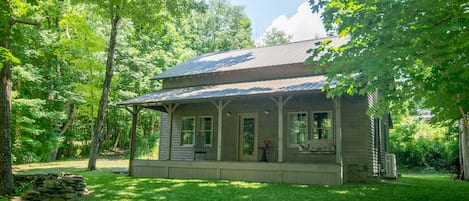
(222, 27)
(421, 146)
(275, 37)
(408, 51)
(62, 50)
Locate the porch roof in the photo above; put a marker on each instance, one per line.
(266, 87)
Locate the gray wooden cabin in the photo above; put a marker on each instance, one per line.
(220, 112)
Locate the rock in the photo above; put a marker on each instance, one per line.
(52, 186)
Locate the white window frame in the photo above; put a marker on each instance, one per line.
(199, 130)
(193, 130)
(331, 135)
(292, 144)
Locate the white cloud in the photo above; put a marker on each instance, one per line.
(303, 25)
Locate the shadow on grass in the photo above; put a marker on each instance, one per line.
(105, 185)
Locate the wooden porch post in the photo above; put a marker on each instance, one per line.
(280, 102)
(338, 141)
(220, 106)
(170, 108)
(133, 130)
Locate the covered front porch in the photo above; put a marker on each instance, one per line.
(293, 173)
(267, 106)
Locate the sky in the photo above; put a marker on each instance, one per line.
(294, 17)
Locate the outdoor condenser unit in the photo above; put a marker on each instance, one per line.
(391, 169)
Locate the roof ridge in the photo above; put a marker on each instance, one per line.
(266, 46)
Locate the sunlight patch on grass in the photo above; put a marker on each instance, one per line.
(341, 192)
(254, 185)
(182, 184)
(301, 186)
(208, 185)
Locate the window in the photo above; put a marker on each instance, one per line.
(188, 130)
(297, 130)
(205, 129)
(322, 126)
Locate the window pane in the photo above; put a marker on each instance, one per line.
(248, 136)
(187, 137)
(207, 137)
(187, 134)
(322, 125)
(206, 123)
(205, 129)
(188, 123)
(297, 128)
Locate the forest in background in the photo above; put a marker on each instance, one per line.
(61, 53)
(57, 79)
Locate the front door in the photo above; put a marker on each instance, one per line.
(248, 137)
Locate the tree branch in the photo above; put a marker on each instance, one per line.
(13, 21)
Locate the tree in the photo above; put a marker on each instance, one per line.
(148, 14)
(8, 18)
(222, 27)
(275, 37)
(410, 52)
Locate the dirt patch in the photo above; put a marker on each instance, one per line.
(100, 163)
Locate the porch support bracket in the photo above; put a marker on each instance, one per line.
(133, 130)
(338, 140)
(280, 102)
(170, 108)
(220, 105)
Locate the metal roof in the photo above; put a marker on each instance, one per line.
(267, 87)
(276, 55)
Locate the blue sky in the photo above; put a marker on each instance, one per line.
(291, 16)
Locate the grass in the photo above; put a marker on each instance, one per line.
(105, 185)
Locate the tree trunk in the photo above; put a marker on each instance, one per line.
(464, 149)
(6, 176)
(117, 140)
(63, 129)
(99, 124)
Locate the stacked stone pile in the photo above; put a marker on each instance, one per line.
(53, 187)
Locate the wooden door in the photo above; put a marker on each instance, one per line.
(248, 137)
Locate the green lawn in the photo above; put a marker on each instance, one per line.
(105, 185)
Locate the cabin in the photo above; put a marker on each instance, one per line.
(260, 114)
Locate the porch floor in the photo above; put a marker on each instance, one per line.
(294, 173)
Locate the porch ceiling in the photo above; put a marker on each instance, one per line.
(267, 87)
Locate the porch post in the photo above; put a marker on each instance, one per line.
(338, 130)
(170, 109)
(220, 106)
(133, 130)
(280, 102)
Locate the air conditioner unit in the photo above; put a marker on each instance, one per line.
(391, 169)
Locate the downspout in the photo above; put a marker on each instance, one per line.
(338, 142)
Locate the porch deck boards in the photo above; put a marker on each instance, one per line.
(293, 173)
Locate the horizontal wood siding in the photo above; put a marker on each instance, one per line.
(164, 136)
(306, 103)
(355, 131)
(324, 174)
(186, 152)
(355, 138)
(254, 74)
